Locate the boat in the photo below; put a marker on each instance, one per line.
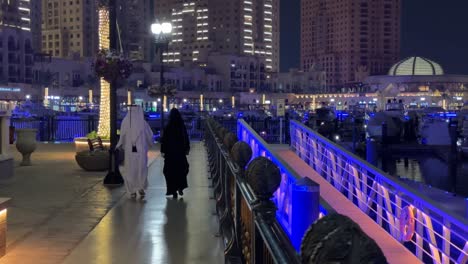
(393, 117)
(463, 127)
(434, 127)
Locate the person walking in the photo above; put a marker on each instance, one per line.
(136, 137)
(175, 146)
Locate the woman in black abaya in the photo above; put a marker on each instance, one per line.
(175, 146)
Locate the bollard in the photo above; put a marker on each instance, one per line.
(384, 133)
(354, 135)
(466, 208)
(305, 208)
(453, 127)
(372, 151)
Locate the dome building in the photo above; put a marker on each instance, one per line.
(413, 66)
(422, 82)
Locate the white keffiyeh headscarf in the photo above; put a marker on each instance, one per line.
(134, 124)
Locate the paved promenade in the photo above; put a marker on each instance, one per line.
(56, 206)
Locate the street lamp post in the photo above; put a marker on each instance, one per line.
(161, 32)
(113, 176)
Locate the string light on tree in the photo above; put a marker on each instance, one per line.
(104, 104)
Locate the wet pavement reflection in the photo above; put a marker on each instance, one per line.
(158, 229)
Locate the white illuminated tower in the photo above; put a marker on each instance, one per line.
(243, 27)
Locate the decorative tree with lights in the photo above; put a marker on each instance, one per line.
(104, 102)
(110, 66)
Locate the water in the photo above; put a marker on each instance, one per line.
(431, 171)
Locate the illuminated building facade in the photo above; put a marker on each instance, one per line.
(16, 14)
(239, 27)
(69, 28)
(16, 50)
(350, 39)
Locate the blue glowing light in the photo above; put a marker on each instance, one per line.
(154, 116)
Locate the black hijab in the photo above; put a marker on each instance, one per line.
(175, 137)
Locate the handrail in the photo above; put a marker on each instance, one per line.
(291, 220)
(433, 232)
(242, 124)
(409, 191)
(254, 223)
(274, 157)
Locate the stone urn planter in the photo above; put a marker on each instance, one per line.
(26, 144)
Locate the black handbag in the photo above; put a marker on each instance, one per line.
(120, 156)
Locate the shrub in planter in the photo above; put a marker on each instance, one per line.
(93, 160)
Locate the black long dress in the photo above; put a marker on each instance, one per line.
(175, 145)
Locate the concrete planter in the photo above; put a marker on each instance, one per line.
(26, 144)
(81, 144)
(93, 161)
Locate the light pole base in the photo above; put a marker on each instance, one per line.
(113, 178)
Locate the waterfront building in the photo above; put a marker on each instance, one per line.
(16, 55)
(422, 82)
(297, 81)
(16, 51)
(350, 39)
(222, 73)
(234, 27)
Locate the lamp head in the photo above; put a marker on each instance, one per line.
(156, 28)
(166, 28)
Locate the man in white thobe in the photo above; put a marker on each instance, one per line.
(135, 139)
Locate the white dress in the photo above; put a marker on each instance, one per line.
(135, 133)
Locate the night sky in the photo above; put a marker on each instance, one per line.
(434, 29)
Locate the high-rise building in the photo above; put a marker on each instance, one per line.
(69, 28)
(16, 14)
(16, 52)
(134, 20)
(239, 27)
(347, 38)
(36, 24)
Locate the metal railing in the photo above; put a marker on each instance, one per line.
(67, 128)
(248, 224)
(295, 222)
(57, 128)
(272, 131)
(431, 233)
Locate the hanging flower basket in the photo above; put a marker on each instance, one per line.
(158, 91)
(112, 66)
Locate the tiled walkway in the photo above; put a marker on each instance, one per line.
(158, 229)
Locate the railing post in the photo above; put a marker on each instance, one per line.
(264, 178)
(241, 153)
(305, 208)
(281, 130)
